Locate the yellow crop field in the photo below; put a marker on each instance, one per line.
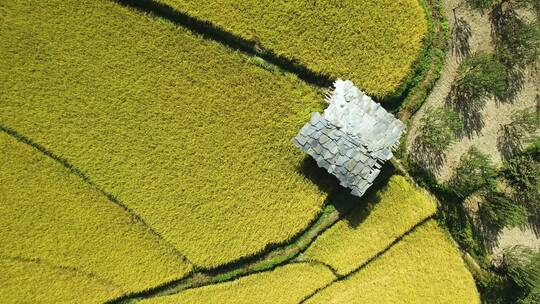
(372, 42)
(182, 130)
(285, 284)
(26, 282)
(422, 268)
(50, 216)
(372, 227)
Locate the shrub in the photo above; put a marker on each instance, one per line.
(522, 265)
(480, 4)
(521, 172)
(520, 131)
(480, 76)
(498, 211)
(439, 128)
(517, 41)
(475, 172)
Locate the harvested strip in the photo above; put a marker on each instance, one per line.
(29, 282)
(183, 131)
(285, 284)
(372, 42)
(370, 229)
(422, 268)
(48, 214)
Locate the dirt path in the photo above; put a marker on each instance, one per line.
(494, 114)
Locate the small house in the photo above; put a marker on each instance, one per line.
(352, 138)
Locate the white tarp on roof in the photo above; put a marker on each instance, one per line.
(356, 114)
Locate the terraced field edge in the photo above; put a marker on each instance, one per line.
(78, 172)
(373, 258)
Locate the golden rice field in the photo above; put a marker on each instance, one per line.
(285, 284)
(137, 158)
(30, 282)
(372, 226)
(372, 42)
(424, 267)
(180, 129)
(51, 216)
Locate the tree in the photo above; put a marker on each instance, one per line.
(439, 128)
(522, 266)
(517, 41)
(521, 130)
(475, 172)
(479, 76)
(521, 172)
(498, 211)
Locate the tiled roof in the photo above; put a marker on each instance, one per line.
(352, 139)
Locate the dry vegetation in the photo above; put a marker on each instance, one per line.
(180, 129)
(286, 284)
(27, 282)
(52, 217)
(422, 268)
(369, 229)
(372, 42)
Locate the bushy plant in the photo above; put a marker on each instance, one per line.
(480, 76)
(517, 41)
(498, 211)
(439, 128)
(475, 172)
(522, 173)
(522, 266)
(521, 130)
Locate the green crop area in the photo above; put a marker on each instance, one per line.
(372, 226)
(372, 42)
(51, 217)
(424, 267)
(286, 284)
(182, 130)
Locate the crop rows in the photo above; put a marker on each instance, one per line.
(372, 42)
(180, 129)
(51, 217)
(372, 226)
(424, 267)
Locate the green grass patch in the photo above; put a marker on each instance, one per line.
(372, 226)
(372, 42)
(183, 131)
(51, 216)
(424, 267)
